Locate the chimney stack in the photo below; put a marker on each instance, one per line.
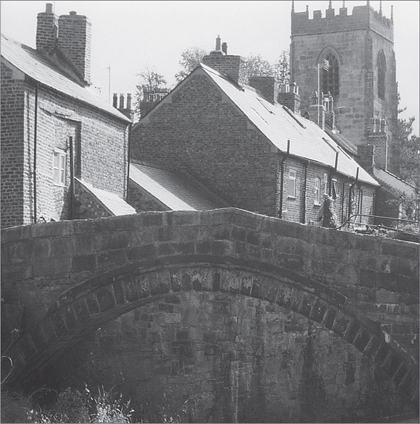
(289, 97)
(47, 29)
(74, 41)
(267, 86)
(228, 65)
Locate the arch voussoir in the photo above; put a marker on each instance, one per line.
(85, 307)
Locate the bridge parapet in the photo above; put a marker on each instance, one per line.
(374, 278)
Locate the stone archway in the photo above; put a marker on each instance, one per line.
(83, 308)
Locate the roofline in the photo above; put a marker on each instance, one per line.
(30, 78)
(206, 69)
(121, 117)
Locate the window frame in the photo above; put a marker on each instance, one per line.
(317, 191)
(59, 168)
(292, 180)
(331, 78)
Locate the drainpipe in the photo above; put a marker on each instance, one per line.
(332, 174)
(35, 150)
(128, 163)
(350, 190)
(283, 159)
(303, 220)
(72, 187)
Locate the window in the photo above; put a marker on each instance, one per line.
(334, 191)
(317, 193)
(59, 167)
(330, 77)
(326, 184)
(381, 74)
(291, 192)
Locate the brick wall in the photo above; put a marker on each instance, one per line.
(12, 148)
(199, 132)
(100, 150)
(141, 200)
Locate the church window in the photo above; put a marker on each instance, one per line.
(381, 74)
(330, 75)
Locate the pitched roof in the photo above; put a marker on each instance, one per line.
(346, 144)
(173, 190)
(280, 124)
(392, 182)
(110, 201)
(35, 65)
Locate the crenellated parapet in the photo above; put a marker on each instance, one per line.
(362, 18)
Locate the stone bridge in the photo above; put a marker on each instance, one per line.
(265, 292)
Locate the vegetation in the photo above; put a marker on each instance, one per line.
(70, 406)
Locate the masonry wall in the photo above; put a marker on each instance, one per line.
(222, 341)
(357, 48)
(100, 152)
(12, 148)
(303, 207)
(198, 131)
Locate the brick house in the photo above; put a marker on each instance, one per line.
(64, 151)
(248, 150)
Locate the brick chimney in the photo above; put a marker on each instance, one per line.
(289, 97)
(267, 86)
(228, 65)
(47, 29)
(74, 41)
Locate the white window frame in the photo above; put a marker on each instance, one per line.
(317, 191)
(59, 167)
(334, 190)
(326, 184)
(292, 183)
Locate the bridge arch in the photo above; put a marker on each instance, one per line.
(97, 300)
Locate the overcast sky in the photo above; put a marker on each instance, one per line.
(129, 36)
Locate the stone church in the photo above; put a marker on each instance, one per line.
(351, 58)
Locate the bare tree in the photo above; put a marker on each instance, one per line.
(190, 59)
(150, 80)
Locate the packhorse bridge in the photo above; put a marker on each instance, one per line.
(233, 316)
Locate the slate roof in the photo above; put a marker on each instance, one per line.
(279, 125)
(38, 67)
(173, 190)
(346, 144)
(110, 201)
(392, 182)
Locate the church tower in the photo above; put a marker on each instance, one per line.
(351, 58)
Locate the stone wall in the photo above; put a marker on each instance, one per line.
(236, 314)
(356, 41)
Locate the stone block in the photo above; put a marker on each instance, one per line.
(105, 299)
(84, 263)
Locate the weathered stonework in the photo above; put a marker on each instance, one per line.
(223, 304)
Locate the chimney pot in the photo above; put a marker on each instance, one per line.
(218, 43)
(121, 101)
(115, 100)
(72, 13)
(129, 101)
(224, 48)
(49, 8)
